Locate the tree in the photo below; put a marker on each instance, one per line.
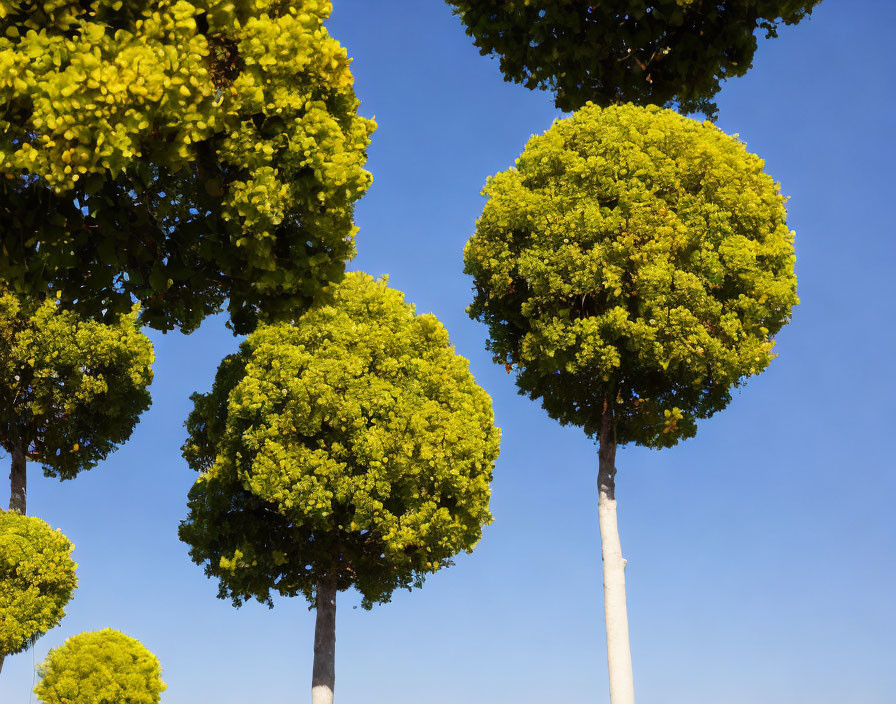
(37, 578)
(633, 268)
(71, 389)
(181, 154)
(616, 51)
(100, 667)
(353, 449)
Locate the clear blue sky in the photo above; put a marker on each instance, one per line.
(761, 553)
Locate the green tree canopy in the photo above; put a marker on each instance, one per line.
(633, 257)
(37, 579)
(614, 51)
(184, 154)
(70, 389)
(353, 445)
(100, 667)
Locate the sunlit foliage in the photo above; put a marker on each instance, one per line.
(100, 667)
(354, 443)
(635, 257)
(70, 389)
(37, 579)
(185, 154)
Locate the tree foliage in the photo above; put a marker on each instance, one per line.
(70, 389)
(37, 579)
(181, 153)
(354, 443)
(100, 667)
(636, 257)
(616, 51)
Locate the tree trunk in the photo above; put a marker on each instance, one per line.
(18, 486)
(323, 678)
(18, 480)
(619, 655)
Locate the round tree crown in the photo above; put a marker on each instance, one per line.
(354, 443)
(74, 389)
(181, 153)
(637, 259)
(37, 579)
(611, 51)
(100, 667)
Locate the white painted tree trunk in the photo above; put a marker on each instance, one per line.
(323, 678)
(619, 654)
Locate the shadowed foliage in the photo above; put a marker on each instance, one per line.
(614, 51)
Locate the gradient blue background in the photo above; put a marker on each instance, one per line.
(761, 553)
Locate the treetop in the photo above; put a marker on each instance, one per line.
(353, 442)
(72, 389)
(99, 667)
(37, 580)
(634, 257)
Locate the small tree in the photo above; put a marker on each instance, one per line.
(187, 154)
(37, 578)
(663, 52)
(100, 667)
(353, 449)
(71, 389)
(633, 268)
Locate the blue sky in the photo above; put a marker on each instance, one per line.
(761, 553)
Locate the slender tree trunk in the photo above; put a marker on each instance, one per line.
(18, 486)
(619, 654)
(18, 480)
(323, 678)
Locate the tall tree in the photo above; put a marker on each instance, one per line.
(188, 155)
(353, 449)
(100, 667)
(662, 52)
(632, 268)
(70, 389)
(37, 579)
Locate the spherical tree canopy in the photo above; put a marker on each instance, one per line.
(660, 52)
(633, 257)
(73, 389)
(354, 443)
(181, 153)
(100, 667)
(37, 578)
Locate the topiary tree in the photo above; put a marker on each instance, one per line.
(353, 449)
(37, 578)
(183, 154)
(616, 51)
(100, 667)
(71, 389)
(633, 269)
